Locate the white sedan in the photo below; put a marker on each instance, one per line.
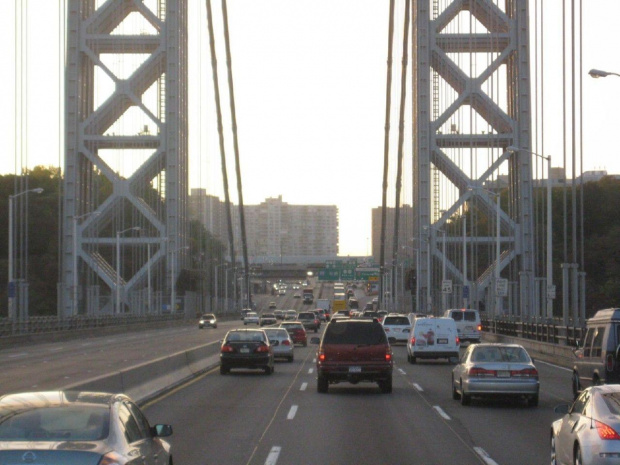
(251, 317)
(589, 431)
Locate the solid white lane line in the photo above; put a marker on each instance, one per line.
(310, 371)
(418, 387)
(484, 456)
(292, 412)
(274, 453)
(303, 386)
(440, 411)
(23, 354)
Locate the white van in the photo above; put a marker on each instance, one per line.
(467, 322)
(433, 338)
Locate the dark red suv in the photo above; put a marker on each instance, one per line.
(353, 351)
(297, 332)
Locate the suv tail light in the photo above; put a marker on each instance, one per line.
(604, 431)
(479, 327)
(227, 349)
(322, 356)
(458, 341)
(413, 341)
(482, 372)
(388, 356)
(610, 362)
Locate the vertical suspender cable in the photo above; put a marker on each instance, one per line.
(233, 114)
(386, 150)
(573, 141)
(220, 131)
(401, 140)
(583, 265)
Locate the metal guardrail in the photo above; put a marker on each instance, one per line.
(550, 331)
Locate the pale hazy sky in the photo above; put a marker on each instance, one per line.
(310, 92)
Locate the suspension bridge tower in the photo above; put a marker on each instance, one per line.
(471, 102)
(126, 162)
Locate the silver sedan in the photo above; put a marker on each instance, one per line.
(499, 370)
(589, 431)
(85, 428)
(280, 340)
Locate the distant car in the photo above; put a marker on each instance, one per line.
(279, 314)
(76, 427)
(296, 331)
(433, 338)
(208, 319)
(244, 312)
(323, 315)
(297, 295)
(272, 305)
(267, 319)
(290, 315)
(353, 304)
(251, 318)
(310, 320)
(281, 342)
(498, 370)
(467, 322)
(282, 292)
(368, 306)
(397, 328)
(246, 348)
(354, 351)
(589, 431)
(342, 314)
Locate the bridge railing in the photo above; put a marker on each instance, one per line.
(548, 330)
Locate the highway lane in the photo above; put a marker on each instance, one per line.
(250, 418)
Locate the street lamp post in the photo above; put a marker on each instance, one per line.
(550, 289)
(118, 266)
(75, 258)
(11, 290)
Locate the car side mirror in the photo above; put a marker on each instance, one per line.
(315, 340)
(162, 430)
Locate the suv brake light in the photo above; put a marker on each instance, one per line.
(458, 341)
(413, 341)
(388, 356)
(321, 356)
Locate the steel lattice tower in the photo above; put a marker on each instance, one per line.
(445, 155)
(126, 161)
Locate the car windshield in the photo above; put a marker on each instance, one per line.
(354, 333)
(500, 354)
(208, 317)
(70, 423)
(245, 336)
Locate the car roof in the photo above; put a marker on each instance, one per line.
(57, 398)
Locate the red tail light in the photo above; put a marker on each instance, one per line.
(525, 373)
(605, 432)
(610, 362)
(413, 341)
(286, 342)
(479, 327)
(388, 357)
(227, 349)
(321, 357)
(262, 349)
(482, 372)
(387, 330)
(458, 341)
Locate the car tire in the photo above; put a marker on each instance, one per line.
(455, 393)
(554, 460)
(268, 370)
(408, 357)
(465, 398)
(305, 343)
(224, 370)
(386, 385)
(290, 359)
(322, 384)
(413, 360)
(577, 455)
(533, 401)
(576, 385)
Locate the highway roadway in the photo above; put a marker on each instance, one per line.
(249, 418)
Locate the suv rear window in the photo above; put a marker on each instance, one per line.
(470, 316)
(396, 320)
(349, 332)
(306, 315)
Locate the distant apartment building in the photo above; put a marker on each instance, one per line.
(405, 232)
(275, 230)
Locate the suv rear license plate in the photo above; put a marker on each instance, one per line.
(442, 341)
(355, 369)
(503, 374)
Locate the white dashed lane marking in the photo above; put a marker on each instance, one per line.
(274, 453)
(443, 414)
(292, 412)
(303, 386)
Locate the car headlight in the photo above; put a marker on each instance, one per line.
(211, 321)
(202, 322)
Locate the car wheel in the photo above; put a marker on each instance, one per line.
(413, 360)
(290, 359)
(322, 384)
(268, 370)
(386, 385)
(305, 343)
(576, 385)
(224, 370)
(533, 401)
(455, 393)
(577, 455)
(554, 460)
(170, 461)
(465, 398)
